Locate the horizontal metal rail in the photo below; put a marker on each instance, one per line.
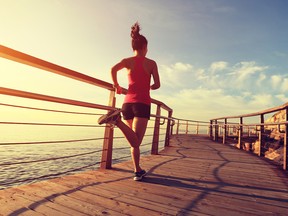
(49, 142)
(252, 124)
(30, 95)
(48, 110)
(49, 124)
(267, 111)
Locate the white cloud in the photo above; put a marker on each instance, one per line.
(245, 69)
(261, 78)
(179, 66)
(218, 66)
(205, 104)
(174, 75)
(200, 75)
(276, 80)
(261, 100)
(222, 90)
(284, 86)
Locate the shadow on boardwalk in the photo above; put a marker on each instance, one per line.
(230, 176)
(193, 176)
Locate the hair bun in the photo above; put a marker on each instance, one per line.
(135, 29)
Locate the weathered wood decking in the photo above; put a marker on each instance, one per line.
(194, 176)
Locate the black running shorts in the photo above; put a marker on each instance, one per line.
(131, 110)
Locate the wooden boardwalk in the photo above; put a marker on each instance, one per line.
(193, 176)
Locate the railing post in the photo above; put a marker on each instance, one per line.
(197, 128)
(285, 159)
(187, 125)
(155, 142)
(240, 133)
(225, 131)
(106, 161)
(167, 137)
(211, 129)
(261, 135)
(178, 124)
(216, 131)
(172, 126)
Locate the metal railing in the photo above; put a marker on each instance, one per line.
(223, 128)
(184, 126)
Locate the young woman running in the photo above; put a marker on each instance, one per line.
(137, 103)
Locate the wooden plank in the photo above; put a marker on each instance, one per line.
(80, 208)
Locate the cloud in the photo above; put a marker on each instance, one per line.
(179, 66)
(244, 70)
(205, 104)
(261, 78)
(279, 82)
(276, 80)
(221, 89)
(201, 75)
(238, 77)
(218, 66)
(176, 75)
(284, 86)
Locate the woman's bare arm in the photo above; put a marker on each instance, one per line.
(156, 77)
(114, 70)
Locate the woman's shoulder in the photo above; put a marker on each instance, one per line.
(127, 62)
(150, 61)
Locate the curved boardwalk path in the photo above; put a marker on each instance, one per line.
(194, 176)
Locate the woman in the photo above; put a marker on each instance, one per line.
(137, 103)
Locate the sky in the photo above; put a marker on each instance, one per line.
(215, 57)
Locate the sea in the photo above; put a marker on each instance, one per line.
(34, 153)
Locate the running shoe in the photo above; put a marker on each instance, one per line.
(139, 175)
(110, 118)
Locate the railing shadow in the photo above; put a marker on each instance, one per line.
(217, 186)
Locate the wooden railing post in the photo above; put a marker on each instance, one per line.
(197, 128)
(172, 127)
(178, 124)
(216, 131)
(211, 129)
(187, 125)
(261, 136)
(285, 159)
(167, 137)
(155, 142)
(106, 160)
(240, 133)
(225, 131)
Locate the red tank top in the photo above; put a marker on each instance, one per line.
(139, 84)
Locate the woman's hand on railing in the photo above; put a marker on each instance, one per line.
(118, 89)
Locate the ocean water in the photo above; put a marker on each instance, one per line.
(31, 161)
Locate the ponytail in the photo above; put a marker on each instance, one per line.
(138, 40)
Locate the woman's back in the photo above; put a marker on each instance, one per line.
(139, 76)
